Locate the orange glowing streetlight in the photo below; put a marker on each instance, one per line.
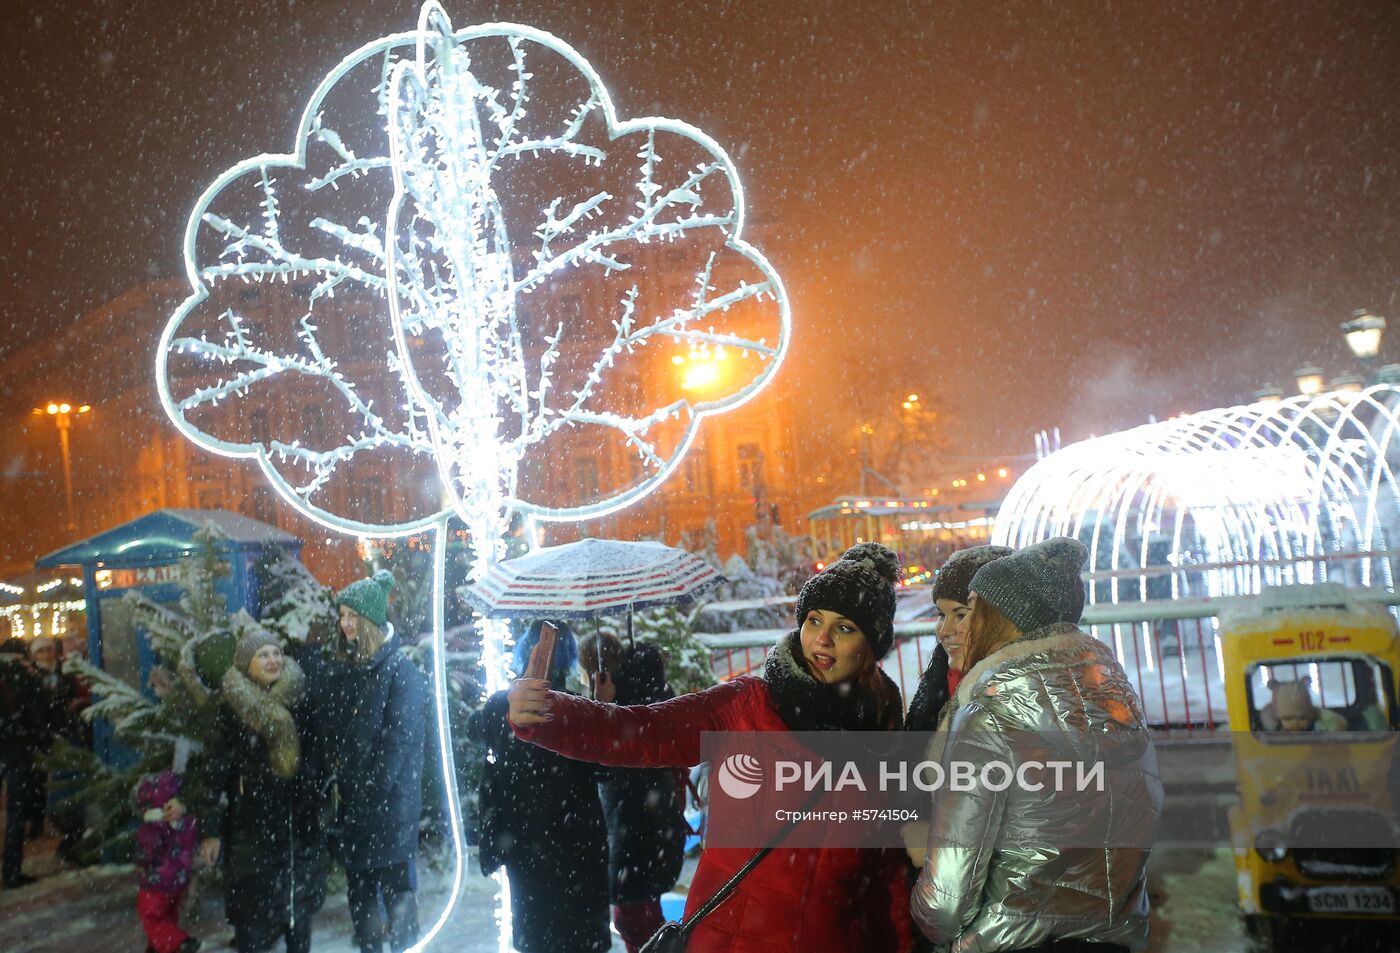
(701, 370)
(63, 413)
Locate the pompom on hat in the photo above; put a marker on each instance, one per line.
(1036, 586)
(369, 597)
(860, 586)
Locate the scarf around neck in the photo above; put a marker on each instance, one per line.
(806, 704)
(268, 711)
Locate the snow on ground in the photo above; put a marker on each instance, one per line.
(93, 910)
(1194, 903)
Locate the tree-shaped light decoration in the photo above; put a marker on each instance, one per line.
(491, 276)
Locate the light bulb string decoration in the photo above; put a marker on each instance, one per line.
(441, 377)
(1260, 493)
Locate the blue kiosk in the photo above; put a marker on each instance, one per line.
(145, 554)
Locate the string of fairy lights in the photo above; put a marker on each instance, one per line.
(468, 395)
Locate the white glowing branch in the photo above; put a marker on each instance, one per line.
(412, 218)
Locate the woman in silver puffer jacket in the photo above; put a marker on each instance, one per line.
(1061, 869)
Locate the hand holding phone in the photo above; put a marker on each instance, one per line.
(543, 652)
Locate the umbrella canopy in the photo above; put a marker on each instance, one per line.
(588, 578)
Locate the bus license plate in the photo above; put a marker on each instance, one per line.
(1351, 900)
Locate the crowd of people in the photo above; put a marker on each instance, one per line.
(39, 703)
(991, 869)
(306, 763)
(582, 793)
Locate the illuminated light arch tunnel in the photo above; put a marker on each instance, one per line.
(1219, 503)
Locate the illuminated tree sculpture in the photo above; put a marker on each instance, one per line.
(492, 274)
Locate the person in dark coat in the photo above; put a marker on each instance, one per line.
(262, 766)
(950, 595)
(377, 711)
(940, 679)
(66, 694)
(25, 731)
(540, 816)
(643, 806)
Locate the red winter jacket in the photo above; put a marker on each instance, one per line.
(797, 900)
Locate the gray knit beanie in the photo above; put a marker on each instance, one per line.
(248, 646)
(954, 578)
(1036, 586)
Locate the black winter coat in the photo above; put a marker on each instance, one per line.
(540, 817)
(273, 851)
(929, 699)
(374, 720)
(26, 711)
(931, 695)
(643, 806)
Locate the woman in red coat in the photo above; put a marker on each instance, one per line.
(823, 676)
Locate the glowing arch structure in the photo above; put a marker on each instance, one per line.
(1222, 502)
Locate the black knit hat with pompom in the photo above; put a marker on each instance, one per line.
(860, 586)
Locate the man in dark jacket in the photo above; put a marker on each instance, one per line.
(377, 709)
(642, 806)
(541, 819)
(24, 732)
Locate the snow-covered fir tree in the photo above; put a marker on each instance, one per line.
(160, 725)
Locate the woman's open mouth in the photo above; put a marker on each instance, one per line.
(823, 662)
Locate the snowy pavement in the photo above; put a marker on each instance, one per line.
(93, 910)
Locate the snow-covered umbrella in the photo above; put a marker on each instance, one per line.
(588, 578)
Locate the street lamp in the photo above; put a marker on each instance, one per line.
(1363, 333)
(703, 370)
(1268, 394)
(1310, 381)
(63, 413)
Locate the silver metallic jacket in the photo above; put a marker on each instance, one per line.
(1006, 870)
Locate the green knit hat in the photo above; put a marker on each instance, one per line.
(1036, 586)
(369, 597)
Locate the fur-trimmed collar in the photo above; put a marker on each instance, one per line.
(1054, 636)
(806, 704)
(268, 711)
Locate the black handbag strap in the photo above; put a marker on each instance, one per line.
(727, 888)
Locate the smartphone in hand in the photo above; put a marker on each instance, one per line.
(543, 652)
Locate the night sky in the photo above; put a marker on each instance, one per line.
(1073, 214)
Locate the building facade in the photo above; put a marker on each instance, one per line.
(126, 458)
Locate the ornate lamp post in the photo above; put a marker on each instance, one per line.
(1363, 333)
(1310, 381)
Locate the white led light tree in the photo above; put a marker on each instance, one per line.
(490, 271)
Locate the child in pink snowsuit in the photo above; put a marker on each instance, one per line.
(165, 845)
